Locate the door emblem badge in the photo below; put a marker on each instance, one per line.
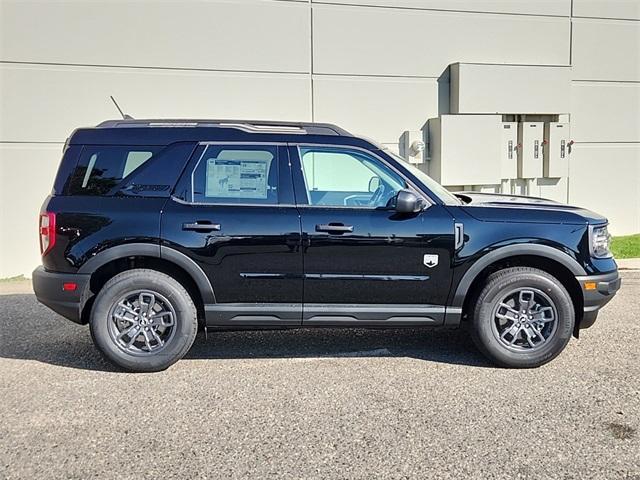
(430, 260)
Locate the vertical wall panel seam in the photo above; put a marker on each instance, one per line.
(570, 86)
(311, 53)
(571, 35)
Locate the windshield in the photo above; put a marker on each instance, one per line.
(442, 193)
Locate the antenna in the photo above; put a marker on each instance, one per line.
(124, 115)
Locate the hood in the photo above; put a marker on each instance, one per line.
(493, 207)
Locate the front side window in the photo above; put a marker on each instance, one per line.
(100, 168)
(438, 190)
(347, 178)
(236, 174)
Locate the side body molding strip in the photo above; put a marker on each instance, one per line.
(229, 315)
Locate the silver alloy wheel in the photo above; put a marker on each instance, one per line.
(142, 322)
(524, 319)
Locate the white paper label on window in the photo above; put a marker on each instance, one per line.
(237, 178)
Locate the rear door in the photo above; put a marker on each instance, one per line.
(233, 213)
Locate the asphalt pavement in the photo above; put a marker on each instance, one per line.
(319, 404)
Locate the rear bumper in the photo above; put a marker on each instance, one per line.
(594, 299)
(48, 289)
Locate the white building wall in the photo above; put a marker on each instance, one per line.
(604, 170)
(371, 66)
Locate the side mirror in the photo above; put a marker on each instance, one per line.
(408, 202)
(374, 183)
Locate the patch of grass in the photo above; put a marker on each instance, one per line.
(17, 278)
(626, 247)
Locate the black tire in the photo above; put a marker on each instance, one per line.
(485, 330)
(167, 290)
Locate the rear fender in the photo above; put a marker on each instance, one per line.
(157, 251)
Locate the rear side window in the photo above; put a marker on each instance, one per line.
(230, 174)
(101, 168)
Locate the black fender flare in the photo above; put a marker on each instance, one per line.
(512, 251)
(156, 251)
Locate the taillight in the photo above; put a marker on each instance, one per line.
(47, 232)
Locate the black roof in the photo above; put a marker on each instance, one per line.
(167, 131)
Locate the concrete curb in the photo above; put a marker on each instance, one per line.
(18, 287)
(628, 263)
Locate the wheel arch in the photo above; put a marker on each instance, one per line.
(543, 257)
(167, 260)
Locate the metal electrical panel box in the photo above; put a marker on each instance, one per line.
(465, 149)
(489, 88)
(509, 150)
(530, 137)
(556, 150)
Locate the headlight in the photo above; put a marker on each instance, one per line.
(599, 241)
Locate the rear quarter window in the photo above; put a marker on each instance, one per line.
(101, 168)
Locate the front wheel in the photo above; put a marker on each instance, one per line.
(523, 318)
(143, 320)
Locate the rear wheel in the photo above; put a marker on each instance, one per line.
(523, 317)
(143, 320)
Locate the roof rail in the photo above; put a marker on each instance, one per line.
(264, 128)
(250, 126)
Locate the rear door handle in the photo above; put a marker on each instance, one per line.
(334, 228)
(201, 226)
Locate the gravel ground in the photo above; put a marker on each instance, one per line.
(319, 404)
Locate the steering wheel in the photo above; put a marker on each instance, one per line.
(377, 195)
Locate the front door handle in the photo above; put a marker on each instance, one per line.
(334, 228)
(201, 226)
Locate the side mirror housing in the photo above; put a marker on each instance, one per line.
(408, 202)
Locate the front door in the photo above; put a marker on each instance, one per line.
(363, 261)
(233, 213)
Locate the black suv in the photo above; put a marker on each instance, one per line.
(156, 227)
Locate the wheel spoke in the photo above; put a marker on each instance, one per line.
(515, 336)
(127, 309)
(147, 341)
(127, 331)
(526, 299)
(132, 338)
(146, 306)
(117, 316)
(540, 335)
(544, 315)
(513, 331)
(507, 312)
(531, 338)
(162, 319)
(156, 337)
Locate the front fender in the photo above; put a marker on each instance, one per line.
(507, 251)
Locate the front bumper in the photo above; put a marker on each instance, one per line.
(606, 286)
(48, 289)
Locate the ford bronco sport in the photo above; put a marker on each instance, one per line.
(157, 227)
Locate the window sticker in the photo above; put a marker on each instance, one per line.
(237, 178)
